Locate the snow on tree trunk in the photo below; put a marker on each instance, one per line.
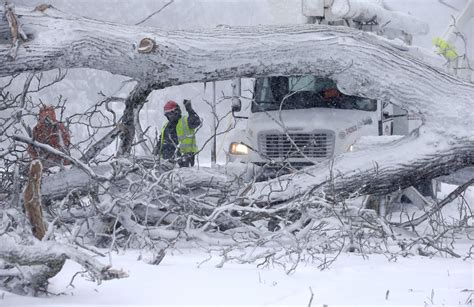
(201, 200)
(133, 104)
(362, 64)
(391, 167)
(364, 10)
(49, 257)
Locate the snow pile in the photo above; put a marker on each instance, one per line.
(186, 278)
(365, 10)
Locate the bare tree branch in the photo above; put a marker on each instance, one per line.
(42, 253)
(448, 199)
(56, 152)
(155, 13)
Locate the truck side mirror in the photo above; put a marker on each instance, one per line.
(236, 104)
(236, 92)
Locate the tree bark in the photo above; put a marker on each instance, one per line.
(32, 200)
(361, 63)
(44, 253)
(95, 149)
(391, 167)
(133, 105)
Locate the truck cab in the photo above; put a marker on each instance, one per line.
(296, 121)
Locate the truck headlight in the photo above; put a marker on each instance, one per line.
(351, 148)
(238, 149)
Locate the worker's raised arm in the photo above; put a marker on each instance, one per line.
(193, 119)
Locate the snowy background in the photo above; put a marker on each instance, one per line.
(82, 86)
(183, 277)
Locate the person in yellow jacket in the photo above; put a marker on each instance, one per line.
(177, 141)
(445, 49)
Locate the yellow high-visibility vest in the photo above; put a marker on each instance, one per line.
(445, 49)
(186, 137)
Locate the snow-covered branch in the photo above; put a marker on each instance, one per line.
(363, 10)
(148, 202)
(84, 167)
(43, 253)
(362, 63)
(391, 167)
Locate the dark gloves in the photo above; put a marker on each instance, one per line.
(193, 119)
(187, 105)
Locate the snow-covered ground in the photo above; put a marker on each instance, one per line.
(181, 280)
(190, 277)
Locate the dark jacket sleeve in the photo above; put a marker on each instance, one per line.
(193, 119)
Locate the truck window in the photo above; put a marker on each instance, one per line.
(304, 92)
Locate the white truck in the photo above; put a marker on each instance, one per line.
(296, 121)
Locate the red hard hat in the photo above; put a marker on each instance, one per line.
(170, 106)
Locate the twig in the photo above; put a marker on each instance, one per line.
(448, 5)
(54, 151)
(311, 298)
(15, 29)
(452, 196)
(153, 14)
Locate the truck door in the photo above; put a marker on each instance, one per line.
(386, 120)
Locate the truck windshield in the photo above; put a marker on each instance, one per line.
(304, 92)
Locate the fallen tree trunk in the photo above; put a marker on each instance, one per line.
(361, 63)
(459, 177)
(57, 186)
(394, 166)
(135, 100)
(46, 259)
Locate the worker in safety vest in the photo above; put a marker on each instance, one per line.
(178, 136)
(445, 49)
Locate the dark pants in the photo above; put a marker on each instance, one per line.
(186, 160)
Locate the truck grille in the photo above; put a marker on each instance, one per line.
(312, 145)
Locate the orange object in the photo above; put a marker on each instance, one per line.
(331, 93)
(51, 132)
